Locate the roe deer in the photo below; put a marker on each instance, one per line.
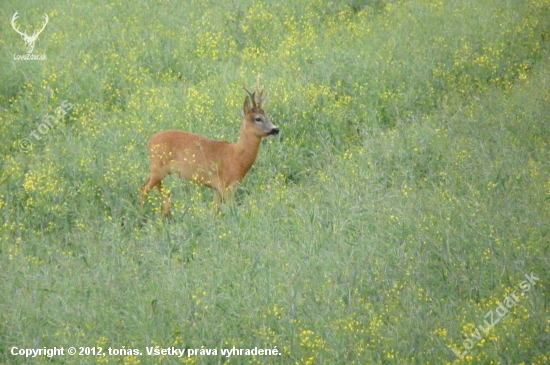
(219, 165)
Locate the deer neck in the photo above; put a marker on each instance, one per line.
(248, 146)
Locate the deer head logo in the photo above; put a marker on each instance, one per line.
(29, 40)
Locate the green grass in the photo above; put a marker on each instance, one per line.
(406, 197)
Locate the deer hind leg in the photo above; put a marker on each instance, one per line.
(153, 181)
(165, 200)
(144, 191)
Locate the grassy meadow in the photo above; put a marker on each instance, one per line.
(392, 221)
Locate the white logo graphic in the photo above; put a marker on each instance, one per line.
(29, 40)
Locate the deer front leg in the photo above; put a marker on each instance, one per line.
(223, 196)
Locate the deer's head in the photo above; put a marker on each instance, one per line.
(254, 113)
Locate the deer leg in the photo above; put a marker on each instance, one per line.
(223, 196)
(144, 191)
(150, 184)
(218, 200)
(227, 195)
(165, 200)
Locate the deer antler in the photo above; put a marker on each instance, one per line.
(257, 89)
(261, 98)
(251, 95)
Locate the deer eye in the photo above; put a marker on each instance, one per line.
(257, 119)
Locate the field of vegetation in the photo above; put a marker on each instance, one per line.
(402, 215)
